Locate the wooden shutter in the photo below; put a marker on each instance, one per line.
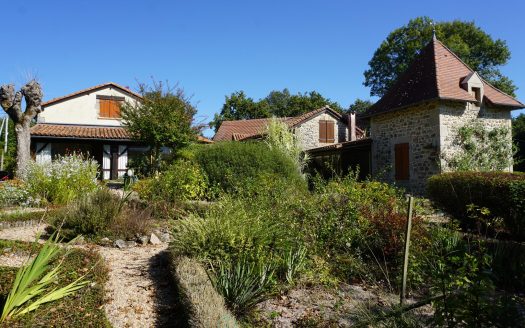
(114, 109)
(402, 165)
(322, 131)
(330, 131)
(104, 108)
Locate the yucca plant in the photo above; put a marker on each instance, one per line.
(295, 261)
(31, 286)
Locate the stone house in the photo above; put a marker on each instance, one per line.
(414, 125)
(317, 128)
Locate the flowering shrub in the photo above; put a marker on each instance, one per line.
(63, 179)
(13, 193)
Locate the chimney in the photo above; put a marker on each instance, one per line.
(351, 126)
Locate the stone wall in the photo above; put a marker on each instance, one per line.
(308, 132)
(419, 127)
(453, 116)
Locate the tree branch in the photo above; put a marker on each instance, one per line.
(11, 102)
(33, 95)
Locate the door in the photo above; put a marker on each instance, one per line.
(114, 162)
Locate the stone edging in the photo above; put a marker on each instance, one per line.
(17, 224)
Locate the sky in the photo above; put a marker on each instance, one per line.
(213, 48)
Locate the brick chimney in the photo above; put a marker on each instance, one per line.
(351, 126)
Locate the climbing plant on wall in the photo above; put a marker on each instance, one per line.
(481, 149)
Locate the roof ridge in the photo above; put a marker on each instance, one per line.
(98, 86)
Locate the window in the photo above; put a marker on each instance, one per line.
(402, 165)
(326, 131)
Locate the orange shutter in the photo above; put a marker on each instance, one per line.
(330, 135)
(115, 109)
(104, 108)
(402, 165)
(322, 131)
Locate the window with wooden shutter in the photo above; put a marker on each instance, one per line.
(326, 131)
(402, 165)
(109, 108)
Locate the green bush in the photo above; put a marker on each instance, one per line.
(182, 180)
(15, 193)
(232, 167)
(502, 193)
(62, 180)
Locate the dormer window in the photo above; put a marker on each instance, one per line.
(473, 84)
(109, 106)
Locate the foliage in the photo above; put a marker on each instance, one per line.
(481, 149)
(234, 167)
(360, 106)
(90, 215)
(15, 193)
(63, 180)
(162, 118)
(281, 138)
(475, 47)
(10, 156)
(518, 136)
(501, 193)
(182, 180)
(83, 309)
(238, 106)
(203, 306)
(242, 282)
(34, 280)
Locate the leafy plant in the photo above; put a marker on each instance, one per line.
(242, 282)
(295, 262)
(33, 282)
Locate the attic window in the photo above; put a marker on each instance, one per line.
(476, 92)
(109, 108)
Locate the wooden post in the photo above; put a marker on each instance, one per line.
(407, 246)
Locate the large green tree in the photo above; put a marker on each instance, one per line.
(360, 106)
(475, 47)
(238, 106)
(162, 118)
(518, 136)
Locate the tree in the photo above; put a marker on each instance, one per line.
(360, 106)
(277, 103)
(518, 136)
(163, 118)
(475, 47)
(11, 102)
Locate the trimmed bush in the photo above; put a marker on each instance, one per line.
(502, 193)
(232, 167)
(204, 307)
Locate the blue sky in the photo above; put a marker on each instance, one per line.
(212, 48)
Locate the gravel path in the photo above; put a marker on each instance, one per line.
(23, 233)
(14, 260)
(139, 290)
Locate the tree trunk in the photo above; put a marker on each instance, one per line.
(23, 156)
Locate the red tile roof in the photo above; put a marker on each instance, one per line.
(436, 73)
(245, 129)
(80, 131)
(92, 89)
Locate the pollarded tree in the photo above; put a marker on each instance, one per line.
(11, 102)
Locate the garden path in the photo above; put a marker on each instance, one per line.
(139, 289)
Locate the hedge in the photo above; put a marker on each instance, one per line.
(501, 192)
(203, 306)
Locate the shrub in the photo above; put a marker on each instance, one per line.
(204, 307)
(63, 179)
(502, 193)
(183, 180)
(232, 166)
(15, 193)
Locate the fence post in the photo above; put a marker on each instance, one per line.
(407, 246)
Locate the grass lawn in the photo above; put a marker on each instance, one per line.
(83, 309)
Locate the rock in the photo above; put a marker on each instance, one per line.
(105, 241)
(154, 240)
(131, 243)
(143, 240)
(7, 250)
(120, 243)
(165, 237)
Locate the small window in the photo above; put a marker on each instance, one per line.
(476, 92)
(109, 108)
(326, 131)
(402, 165)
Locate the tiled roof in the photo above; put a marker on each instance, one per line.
(80, 131)
(92, 89)
(436, 73)
(245, 129)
